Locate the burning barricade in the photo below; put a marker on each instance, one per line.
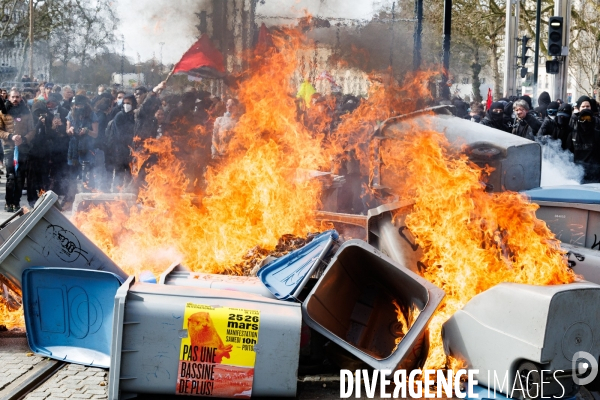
(458, 226)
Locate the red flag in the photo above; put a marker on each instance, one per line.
(489, 99)
(202, 60)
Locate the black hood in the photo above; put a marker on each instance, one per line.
(544, 99)
(493, 106)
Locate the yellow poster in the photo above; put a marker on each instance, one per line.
(217, 357)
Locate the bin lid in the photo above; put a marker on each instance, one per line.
(587, 194)
(69, 313)
(287, 276)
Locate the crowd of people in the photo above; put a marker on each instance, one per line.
(577, 126)
(66, 140)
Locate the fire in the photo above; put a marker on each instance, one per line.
(471, 239)
(252, 197)
(406, 318)
(11, 318)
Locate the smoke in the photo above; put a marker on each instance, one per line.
(145, 24)
(558, 167)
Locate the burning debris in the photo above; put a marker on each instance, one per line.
(249, 197)
(256, 256)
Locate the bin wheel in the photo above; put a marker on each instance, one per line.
(529, 379)
(484, 153)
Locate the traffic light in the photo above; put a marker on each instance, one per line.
(555, 36)
(524, 56)
(524, 48)
(552, 67)
(523, 72)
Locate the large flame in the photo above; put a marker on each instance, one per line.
(252, 197)
(471, 239)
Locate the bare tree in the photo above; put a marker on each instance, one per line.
(478, 32)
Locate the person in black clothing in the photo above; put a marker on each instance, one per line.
(527, 123)
(495, 117)
(549, 124)
(38, 165)
(117, 105)
(58, 151)
(102, 109)
(119, 141)
(543, 102)
(584, 142)
(556, 124)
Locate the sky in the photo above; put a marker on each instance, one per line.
(146, 23)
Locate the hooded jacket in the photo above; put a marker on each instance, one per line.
(584, 143)
(497, 121)
(543, 101)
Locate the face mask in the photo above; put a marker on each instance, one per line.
(552, 117)
(119, 102)
(99, 93)
(127, 107)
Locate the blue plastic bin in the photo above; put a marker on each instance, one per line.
(69, 313)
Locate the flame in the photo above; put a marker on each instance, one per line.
(406, 319)
(471, 239)
(250, 198)
(11, 318)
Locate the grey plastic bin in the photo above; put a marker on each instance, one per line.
(45, 237)
(352, 306)
(148, 331)
(179, 275)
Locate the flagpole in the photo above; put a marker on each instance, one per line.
(170, 75)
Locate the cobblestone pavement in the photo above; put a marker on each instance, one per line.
(74, 382)
(15, 360)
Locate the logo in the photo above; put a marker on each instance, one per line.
(584, 368)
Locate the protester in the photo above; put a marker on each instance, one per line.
(102, 109)
(543, 102)
(476, 113)
(119, 139)
(526, 123)
(67, 94)
(556, 124)
(144, 114)
(159, 124)
(223, 129)
(38, 163)
(82, 127)
(117, 105)
(16, 133)
(584, 142)
(59, 167)
(48, 87)
(495, 118)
